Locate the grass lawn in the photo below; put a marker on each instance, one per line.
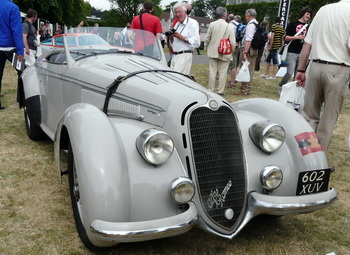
(36, 216)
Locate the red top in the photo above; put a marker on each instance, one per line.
(150, 23)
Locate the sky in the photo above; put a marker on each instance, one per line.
(105, 4)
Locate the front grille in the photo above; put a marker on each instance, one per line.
(219, 165)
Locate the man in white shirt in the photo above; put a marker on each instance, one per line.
(185, 39)
(247, 52)
(326, 85)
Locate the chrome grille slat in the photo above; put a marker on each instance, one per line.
(218, 158)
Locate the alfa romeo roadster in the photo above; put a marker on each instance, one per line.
(152, 153)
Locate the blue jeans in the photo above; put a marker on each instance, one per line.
(272, 56)
(292, 64)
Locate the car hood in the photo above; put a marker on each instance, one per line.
(152, 92)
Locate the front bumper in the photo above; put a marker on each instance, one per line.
(280, 205)
(145, 230)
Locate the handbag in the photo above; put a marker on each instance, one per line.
(225, 47)
(243, 74)
(293, 95)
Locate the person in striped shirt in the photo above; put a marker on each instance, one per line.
(276, 42)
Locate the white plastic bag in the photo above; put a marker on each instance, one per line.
(243, 74)
(284, 52)
(38, 49)
(281, 71)
(293, 96)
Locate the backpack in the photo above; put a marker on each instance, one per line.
(239, 32)
(259, 38)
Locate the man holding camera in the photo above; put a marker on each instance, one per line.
(185, 38)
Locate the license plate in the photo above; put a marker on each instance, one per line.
(311, 182)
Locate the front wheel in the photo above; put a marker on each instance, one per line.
(76, 202)
(32, 121)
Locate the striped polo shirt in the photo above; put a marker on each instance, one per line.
(278, 31)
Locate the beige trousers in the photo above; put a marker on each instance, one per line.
(253, 55)
(217, 66)
(182, 63)
(326, 88)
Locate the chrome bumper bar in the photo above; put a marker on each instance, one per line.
(280, 205)
(146, 230)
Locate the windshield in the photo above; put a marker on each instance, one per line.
(117, 38)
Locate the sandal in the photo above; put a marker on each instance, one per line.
(229, 85)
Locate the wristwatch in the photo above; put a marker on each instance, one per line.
(244, 52)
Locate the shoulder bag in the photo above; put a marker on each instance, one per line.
(225, 47)
(285, 48)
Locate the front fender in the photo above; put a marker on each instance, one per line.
(289, 157)
(116, 184)
(99, 160)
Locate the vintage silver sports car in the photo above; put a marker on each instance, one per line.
(152, 153)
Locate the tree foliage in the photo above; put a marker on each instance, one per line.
(67, 12)
(269, 10)
(167, 8)
(206, 8)
(125, 10)
(199, 8)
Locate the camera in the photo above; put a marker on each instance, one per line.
(171, 32)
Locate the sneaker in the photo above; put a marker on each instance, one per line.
(2, 107)
(270, 78)
(264, 75)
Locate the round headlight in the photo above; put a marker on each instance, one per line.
(182, 190)
(155, 146)
(271, 177)
(267, 136)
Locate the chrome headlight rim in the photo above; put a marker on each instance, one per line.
(155, 146)
(268, 136)
(182, 190)
(271, 177)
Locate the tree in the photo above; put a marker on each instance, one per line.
(169, 6)
(125, 10)
(199, 8)
(213, 4)
(206, 8)
(67, 12)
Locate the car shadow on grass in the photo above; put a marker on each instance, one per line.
(262, 230)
